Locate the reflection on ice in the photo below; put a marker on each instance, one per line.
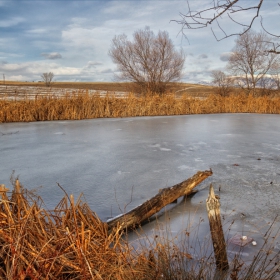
(165, 149)
(184, 167)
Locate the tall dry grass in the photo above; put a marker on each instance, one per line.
(71, 242)
(85, 106)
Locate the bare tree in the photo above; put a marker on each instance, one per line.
(150, 60)
(276, 80)
(223, 82)
(266, 85)
(275, 75)
(216, 10)
(47, 78)
(249, 60)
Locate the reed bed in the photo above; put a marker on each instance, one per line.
(88, 106)
(71, 242)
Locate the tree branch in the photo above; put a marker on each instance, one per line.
(202, 19)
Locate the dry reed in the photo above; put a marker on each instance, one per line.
(85, 106)
(67, 243)
(71, 242)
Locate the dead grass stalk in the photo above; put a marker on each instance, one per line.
(88, 106)
(71, 242)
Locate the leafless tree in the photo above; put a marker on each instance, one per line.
(249, 60)
(223, 82)
(216, 10)
(276, 79)
(275, 75)
(151, 61)
(47, 78)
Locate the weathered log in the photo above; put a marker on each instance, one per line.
(218, 239)
(136, 216)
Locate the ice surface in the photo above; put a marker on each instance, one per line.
(120, 163)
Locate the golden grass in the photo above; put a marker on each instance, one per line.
(67, 243)
(71, 242)
(86, 106)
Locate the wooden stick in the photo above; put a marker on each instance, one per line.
(136, 216)
(219, 244)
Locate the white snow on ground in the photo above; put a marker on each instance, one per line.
(22, 92)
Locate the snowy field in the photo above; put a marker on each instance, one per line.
(29, 92)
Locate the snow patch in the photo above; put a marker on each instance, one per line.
(122, 172)
(184, 167)
(155, 146)
(164, 149)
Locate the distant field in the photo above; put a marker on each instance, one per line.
(75, 85)
(31, 89)
(194, 90)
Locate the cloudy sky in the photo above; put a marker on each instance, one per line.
(72, 38)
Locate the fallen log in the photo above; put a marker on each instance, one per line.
(141, 213)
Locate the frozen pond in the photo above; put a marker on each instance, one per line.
(120, 163)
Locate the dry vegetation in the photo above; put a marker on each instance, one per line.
(67, 243)
(71, 242)
(87, 106)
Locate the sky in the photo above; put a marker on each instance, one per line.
(72, 38)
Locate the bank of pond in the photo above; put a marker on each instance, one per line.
(80, 106)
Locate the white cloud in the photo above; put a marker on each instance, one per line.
(53, 55)
(17, 78)
(91, 64)
(37, 31)
(67, 71)
(10, 56)
(82, 38)
(116, 7)
(196, 76)
(33, 70)
(79, 21)
(11, 22)
(87, 39)
(8, 67)
(106, 71)
(84, 32)
(203, 56)
(225, 56)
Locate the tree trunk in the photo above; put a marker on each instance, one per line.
(218, 239)
(136, 216)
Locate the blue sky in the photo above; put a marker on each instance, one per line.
(72, 38)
